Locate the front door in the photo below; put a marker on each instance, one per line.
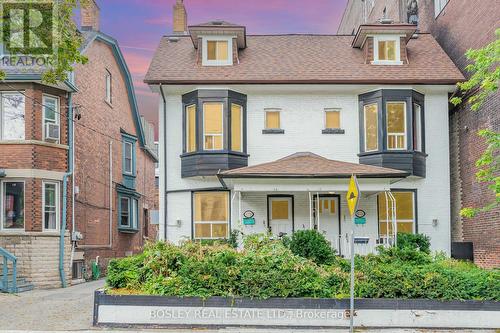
(280, 210)
(327, 219)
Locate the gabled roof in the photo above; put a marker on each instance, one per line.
(301, 59)
(309, 165)
(89, 36)
(217, 28)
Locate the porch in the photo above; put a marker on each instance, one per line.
(305, 191)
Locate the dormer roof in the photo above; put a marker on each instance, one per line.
(365, 30)
(218, 28)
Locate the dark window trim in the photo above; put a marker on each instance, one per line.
(131, 228)
(230, 221)
(333, 131)
(269, 196)
(273, 131)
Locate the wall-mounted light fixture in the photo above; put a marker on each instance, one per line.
(3, 173)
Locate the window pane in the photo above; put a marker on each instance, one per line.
(124, 211)
(279, 209)
(191, 128)
(219, 230)
(13, 205)
(50, 207)
(13, 116)
(108, 87)
(222, 50)
(212, 50)
(417, 127)
(405, 216)
(211, 206)
(128, 159)
(371, 127)
(236, 130)
(332, 119)
(134, 216)
(387, 50)
(202, 230)
(396, 135)
(50, 109)
(272, 120)
(212, 125)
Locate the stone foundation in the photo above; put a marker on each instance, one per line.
(38, 256)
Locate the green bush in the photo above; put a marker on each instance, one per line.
(312, 245)
(415, 242)
(267, 268)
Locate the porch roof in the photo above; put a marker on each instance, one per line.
(310, 165)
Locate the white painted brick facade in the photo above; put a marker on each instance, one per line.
(302, 119)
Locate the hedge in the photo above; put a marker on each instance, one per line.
(267, 268)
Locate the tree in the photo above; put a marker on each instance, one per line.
(482, 83)
(67, 41)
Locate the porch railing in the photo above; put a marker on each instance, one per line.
(8, 281)
(362, 245)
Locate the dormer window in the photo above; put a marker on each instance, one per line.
(386, 50)
(217, 51)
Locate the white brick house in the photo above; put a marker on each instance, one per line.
(272, 127)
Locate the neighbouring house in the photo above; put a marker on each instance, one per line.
(83, 137)
(457, 25)
(261, 133)
(114, 171)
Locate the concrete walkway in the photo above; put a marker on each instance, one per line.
(70, 309)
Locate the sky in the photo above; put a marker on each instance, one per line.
(138, 26)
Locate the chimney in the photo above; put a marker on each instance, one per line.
(180, 18)
(90, 13)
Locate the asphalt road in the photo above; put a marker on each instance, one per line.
(70, 309)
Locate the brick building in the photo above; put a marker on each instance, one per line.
(83, 136)
(457, 25)
(115, 172)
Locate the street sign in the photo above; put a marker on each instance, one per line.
(353, 195)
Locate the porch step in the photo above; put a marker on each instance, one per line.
(21, 283)
(24, 287)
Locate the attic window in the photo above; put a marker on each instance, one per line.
(217, 51)
(386, 49)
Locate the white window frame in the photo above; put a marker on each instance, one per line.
(439, 6)
(204, 50)
(332, 110)
(132, 210)
(414, 220)
(364, 127)
(2, 182)
(241, 126)
(280, 118)
(108, 97)
(405, 145)
(417, 127)
(213, 135)
(58, 206)
(57, 112)
(211, 223)
(383, 38)
(131, 172)
(186, 128)
(2, 124)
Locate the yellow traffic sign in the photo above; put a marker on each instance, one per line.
(353, 195)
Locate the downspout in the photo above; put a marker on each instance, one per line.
(164, 159)
(62, 274)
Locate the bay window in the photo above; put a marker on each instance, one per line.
(190, 128)
(50, 199)
(371, 127)
(128, 214)
(236, 127)
(12, 123)
(211, 215)
(417, 127)
(213, 131)
(12, 203)
(405, 213)
(396, 125)
(51, 113)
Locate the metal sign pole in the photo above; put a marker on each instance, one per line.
(351, 313)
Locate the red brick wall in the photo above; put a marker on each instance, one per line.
(92, 158)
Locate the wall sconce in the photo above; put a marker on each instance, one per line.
(2, 173)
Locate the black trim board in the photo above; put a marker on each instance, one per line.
(100, 298)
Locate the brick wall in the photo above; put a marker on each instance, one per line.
(92, 205)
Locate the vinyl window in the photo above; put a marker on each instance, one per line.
(273, 119)
(405, 213)
(217, 51)
(211, 215)
(50, 199)
(236, 127)
(51, 111)
(371, 127)
(396, 125)
(128, 213)
(12, 205)
(191, 128)
(213, 131)
(332, 119)
(128, 150)
(386, 50)
(12, 113)
(417, 127)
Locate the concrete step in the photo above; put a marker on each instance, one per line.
(24, 287)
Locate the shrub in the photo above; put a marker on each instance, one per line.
(414, 241)
(312, 245)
